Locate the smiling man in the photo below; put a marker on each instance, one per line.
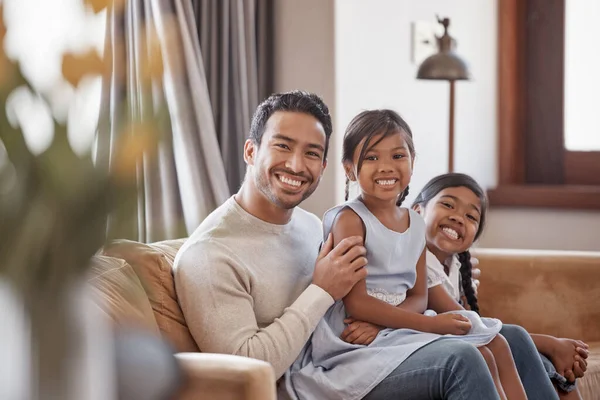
(250, 279)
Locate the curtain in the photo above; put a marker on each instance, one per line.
(237, 46)
(157, 82)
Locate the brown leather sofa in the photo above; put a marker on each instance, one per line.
(551, 292)
(556, 293)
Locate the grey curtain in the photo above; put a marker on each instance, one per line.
(237, 47)
(183, 179)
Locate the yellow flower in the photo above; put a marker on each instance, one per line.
(99, 5)
(137, 139)
(75, 67)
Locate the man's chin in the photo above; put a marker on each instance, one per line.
(288, 202)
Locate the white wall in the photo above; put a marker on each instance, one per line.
(372, 68)
(304, 59)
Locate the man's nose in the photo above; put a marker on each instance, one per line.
(296, 163)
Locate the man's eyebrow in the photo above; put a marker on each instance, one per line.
(290, 140)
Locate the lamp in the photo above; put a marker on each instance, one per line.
(445, 66)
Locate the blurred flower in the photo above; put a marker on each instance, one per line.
(75, 67)
(138, 139)
(7, 68)
(99, 5)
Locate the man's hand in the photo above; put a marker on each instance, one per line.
(569, 358)
(359, 332)
(337, 270)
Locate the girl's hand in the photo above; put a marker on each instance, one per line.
(569, 358)
(359, 332)
(450, 324)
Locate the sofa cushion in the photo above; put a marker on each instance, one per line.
(120, 292)
(550, 292)
(153, 264)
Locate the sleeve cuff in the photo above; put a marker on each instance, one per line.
(313, 303)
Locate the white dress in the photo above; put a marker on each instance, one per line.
(330, 368)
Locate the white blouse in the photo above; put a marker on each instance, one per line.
(436, 274)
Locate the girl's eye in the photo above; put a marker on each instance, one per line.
(398, 156)
(371, 158)
(472, 218)
(447, 205)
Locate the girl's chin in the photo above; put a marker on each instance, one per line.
(448, 247)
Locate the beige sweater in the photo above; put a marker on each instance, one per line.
(244, 285)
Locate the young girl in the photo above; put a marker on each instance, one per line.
(454, 208)
(378, 153)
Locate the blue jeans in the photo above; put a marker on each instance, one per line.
(445, 369)
(529, 364)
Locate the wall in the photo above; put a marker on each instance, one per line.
(372, 68)
(304, 59)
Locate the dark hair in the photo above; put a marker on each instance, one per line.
(294, 101)
(369, 124)
(429, 191)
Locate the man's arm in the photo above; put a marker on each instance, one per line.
(215, 299)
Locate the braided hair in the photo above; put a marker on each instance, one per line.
(466, 277)
(429, 191)
(369, 124)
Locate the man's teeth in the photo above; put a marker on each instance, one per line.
(386, 182)
(289, 181)
(450, 232)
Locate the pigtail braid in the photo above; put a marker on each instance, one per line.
(402, 197)
(466, 278)
(347, 192)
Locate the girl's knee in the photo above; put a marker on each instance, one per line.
(500, 342)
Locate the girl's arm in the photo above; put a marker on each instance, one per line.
(416, 297)
(440, 301)
(359, 304)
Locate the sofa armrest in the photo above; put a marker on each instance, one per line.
(223, 376)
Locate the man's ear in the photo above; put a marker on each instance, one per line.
(349, 170)
(250, 150)
(324, 166)
(418, 208)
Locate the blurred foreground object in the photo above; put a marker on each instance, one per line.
(54, 208)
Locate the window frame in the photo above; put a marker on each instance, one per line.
(535, 169)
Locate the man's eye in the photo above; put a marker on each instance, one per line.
(447, 205)
(313, 154)
(282, 146)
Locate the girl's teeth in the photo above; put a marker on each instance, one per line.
(451, 232)
(292, 182)
(386, 182)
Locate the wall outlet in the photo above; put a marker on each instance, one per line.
(424, 42)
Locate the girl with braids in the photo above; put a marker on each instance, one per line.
(454, 208)
(378, 154)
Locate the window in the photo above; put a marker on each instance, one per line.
(546, 159)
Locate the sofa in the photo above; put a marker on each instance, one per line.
(555, 293)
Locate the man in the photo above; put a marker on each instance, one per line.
(251, 280)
